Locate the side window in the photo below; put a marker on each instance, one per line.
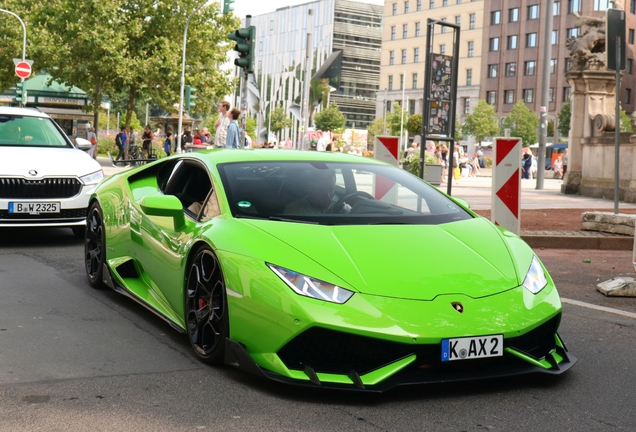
(211, 208)
(189, 182)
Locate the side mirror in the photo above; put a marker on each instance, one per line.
(462, 202)
(165, 206)
(83, 144)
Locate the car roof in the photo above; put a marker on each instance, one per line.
(31, 112)
(222, 155)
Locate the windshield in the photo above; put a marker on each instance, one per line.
(334, 194)
(26, 131)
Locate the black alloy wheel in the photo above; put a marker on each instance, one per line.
(95, 246)
(206, 307)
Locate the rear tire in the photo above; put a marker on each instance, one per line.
(207, 318)
(95, 246)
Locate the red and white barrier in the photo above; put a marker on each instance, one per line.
(386, 149)
(506, 184)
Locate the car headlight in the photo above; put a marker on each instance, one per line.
(310, 287)
(535, 280)
(93, 178)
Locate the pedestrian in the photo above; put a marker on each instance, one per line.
(131, 143)
(147, 137)
(221, 124)
(526, 163)
(196, 139)
(120, 142)
(475, 165)
(205, 136)
(320, 143)
(565, 163)
(92, 152)
(167, 145)
(186, 139)
(232, 139)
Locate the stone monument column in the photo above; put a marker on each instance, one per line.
(593, 94)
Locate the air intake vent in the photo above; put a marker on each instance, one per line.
(48, 188)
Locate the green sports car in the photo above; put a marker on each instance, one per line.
(323, 269)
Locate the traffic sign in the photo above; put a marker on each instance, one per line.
(23, 69)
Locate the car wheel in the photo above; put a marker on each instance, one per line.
(206, 307)
(79, 232)
(95, 246)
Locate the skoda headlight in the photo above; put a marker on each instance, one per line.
(535, 280)
(310, 287)
(93, 178)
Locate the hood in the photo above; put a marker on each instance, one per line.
(48, 162)
(417, 262)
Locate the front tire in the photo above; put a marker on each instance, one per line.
(206, 307)
(95, 246)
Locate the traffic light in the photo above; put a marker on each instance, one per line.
(20, 94)
(189, 96)
(244, 39)
(227, 6)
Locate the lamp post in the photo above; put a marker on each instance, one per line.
(23, 41)
(182, 85)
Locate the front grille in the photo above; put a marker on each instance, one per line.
(330, 351)
(48, 188)
(71, 214)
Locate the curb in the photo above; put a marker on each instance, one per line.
(577, 240)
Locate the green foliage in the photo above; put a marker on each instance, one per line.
(411, 163)
(250, 126)
(279, 120)
(394, 119)
(414, 125)
(626, 124)
(373, 130)
(482, 122)
(330, 119)
(564, 120)
(523, 123)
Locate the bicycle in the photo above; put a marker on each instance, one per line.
(134, 153)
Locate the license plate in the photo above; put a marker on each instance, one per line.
(472, 347)
(34, 207)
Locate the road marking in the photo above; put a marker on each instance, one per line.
(599, 308)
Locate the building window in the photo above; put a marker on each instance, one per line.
(416, 55)
(553, 66)
(628, 96)
(458, 20)
(260, 46)
(533, 12)
(419, 5)
(390, 82)
(406, 7)
(404, 56)
(493, 70)
(555, 37)
(495, 17)
(573, 32)
(394, 8)
(568, 65)
(411, 107)
(405, 31)
(401, 81)
(417, 29)
(513, 15)
(444, 27)
(491, 97)
(574, 6)
(630, 37)
(556, 8)
(393, 33)
(632, 6)
(511, 69)
(431, 4)
(469, 77)
(391, 57)
(494, 44)
(512, 42)
(528, 95)
(414, 80)
(601, 5)
(531, 40)
(509, 96)
(566, 94)
(530, 67)
(442, 49)
(444, 3)
(471, 48)
(630, 65)
(551, 94)
(466, 105)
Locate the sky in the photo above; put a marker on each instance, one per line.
(259, 7)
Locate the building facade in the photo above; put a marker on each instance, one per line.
(349, 27)
(513, 45)
(404, 46)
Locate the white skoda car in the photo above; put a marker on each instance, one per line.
(45, 180)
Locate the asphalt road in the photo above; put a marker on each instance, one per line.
(77, 359)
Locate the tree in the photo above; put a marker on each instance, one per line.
(523, 123)
(626, 124)
(414, 125)
(374, 129)
(564, 120)
(279, 120)
(318, 94)
(330, 119)
(250, 126)
(394, 119)
(482, 122)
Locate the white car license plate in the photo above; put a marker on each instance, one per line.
(34, 207)
(472, 347)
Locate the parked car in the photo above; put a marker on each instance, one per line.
(46, 180)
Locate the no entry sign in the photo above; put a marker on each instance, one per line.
(23, 69)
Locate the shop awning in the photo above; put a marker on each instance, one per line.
(66, 113)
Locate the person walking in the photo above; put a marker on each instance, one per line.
(232, 140)
(527, 163)
(92, 152)
(222, 124)
(167, 145)
(147, 138)
(120, 142)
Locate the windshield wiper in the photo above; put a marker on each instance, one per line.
(281, 219)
